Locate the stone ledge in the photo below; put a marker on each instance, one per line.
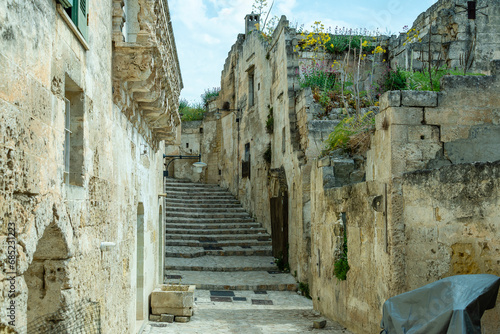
(390, 99)
(411, 98)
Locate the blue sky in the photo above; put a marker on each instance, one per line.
(205, 30)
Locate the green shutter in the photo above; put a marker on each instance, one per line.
(81, 22)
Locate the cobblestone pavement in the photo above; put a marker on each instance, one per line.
(285, 312)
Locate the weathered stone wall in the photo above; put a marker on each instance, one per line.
(452, 223)
(452, 38)
(428, 209)
(60, 226)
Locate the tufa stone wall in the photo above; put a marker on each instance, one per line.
(115, 166)
(448, 37)
(428, 209)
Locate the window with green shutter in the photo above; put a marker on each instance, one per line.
(77, 11)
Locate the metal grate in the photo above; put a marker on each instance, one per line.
(79, 318)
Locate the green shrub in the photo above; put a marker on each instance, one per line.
(209, 94)
(352, 134)
(191, 112)
(341, 266)
(394, 80)
(318, 75)
(304, 289)
(421, 80)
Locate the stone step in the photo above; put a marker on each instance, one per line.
(203, 203)
(206, 215)
(181, 183)
(240, 280)
(187, 220)
(190, 189)
(204, 192)
(213, 226)
(218, 237)
(219, 243)
(198, 197)
(190, 252)
(237, 209)
(222, 263)
(239, 231)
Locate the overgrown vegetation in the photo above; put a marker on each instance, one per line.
(191, 111)
(195, 111)
(304, 289)
(341, 266)
(415, 80)
(209, 94)
(352, 134)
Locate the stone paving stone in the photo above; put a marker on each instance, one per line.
(221, 293)
(221, 299)
(261, 302)
(260, 292)
(239, 299)
(290, 313)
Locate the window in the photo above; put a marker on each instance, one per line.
(77, 10)
(73, 130)
(251, 93)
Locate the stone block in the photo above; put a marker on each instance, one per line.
(342, 169)
(173, 299)
(410, 98)
(454, 132)
(405, 116)
(184, 312)
(390, 99)
(423, 133)
(319, 324)
(328, 178)
(480, 146)
(324, 162)
(182, 319)
(167, 318)
(154, 317)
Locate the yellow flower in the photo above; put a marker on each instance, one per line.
(365, 43)
(404, 44)
(383, 60)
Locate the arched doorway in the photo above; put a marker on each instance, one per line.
(47, 276)
(140, 263)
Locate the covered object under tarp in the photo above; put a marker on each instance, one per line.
(452, 305)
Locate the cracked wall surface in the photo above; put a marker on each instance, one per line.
(60, 226)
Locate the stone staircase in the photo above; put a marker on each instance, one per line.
(212, 242)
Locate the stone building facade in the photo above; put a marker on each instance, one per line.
(421, 206)
(88, 101)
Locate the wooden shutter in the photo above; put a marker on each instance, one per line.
(81, 21)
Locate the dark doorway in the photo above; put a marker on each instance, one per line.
(279, 226)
